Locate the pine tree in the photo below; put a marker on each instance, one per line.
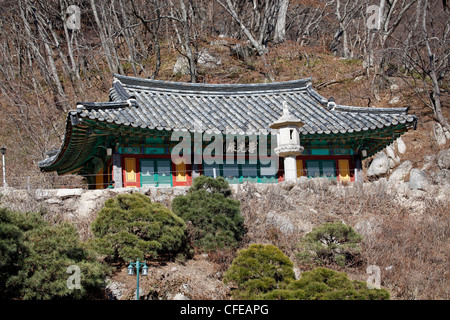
(259, 269)
(36, 256)
(130, 226)
(214, 218)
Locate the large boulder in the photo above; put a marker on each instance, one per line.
(442, 177)
(379, 165)
(181, 66)
(399, 174)
(280, 222)
(401, 146)
(69, 193)
(207, 60)
(418, 179)
(443, 159)
(368, 227)
(391, 153)
(440, 135)
(429, 162)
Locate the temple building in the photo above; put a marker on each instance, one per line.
(162, 133)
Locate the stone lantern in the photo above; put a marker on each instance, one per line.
(288, 142)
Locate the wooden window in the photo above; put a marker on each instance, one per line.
(313, 168)
(300, 172)
(163, 169)
(148, 176)
(99, 179)
(344, 170)
(208, 169)
(156, 172)
(130, 169)
(320, 168)
(231, 172)
(328, 169)
(181, 172)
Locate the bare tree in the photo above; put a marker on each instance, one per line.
(280, 25)
(151, 20)
(346, 12)
(391, 14)
(183, 16)
(306, 21)
(105, 39)
(425, 54)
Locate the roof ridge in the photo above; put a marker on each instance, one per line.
(131, 102)
(202, 88)
(344, 108)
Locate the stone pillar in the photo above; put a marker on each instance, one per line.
(358, 169)
(290, 168)
(117, 170)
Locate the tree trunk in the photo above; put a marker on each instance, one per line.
(280, 27)
(187, 43)
(261, 49)
(108, 55)
(435, 96)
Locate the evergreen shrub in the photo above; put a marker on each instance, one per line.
(131, 226)
(257, 270)
(35, 256)
(331, 244)
(325, 284)
(214, 218)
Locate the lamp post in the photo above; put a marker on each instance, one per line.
(138, 266)
(3, 151)
(288, 142)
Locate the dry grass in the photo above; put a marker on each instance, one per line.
(196, 279)
(412, 252)
(407, 234)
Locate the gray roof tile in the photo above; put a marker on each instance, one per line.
(250, 108)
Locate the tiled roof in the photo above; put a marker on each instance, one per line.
(138, 105)
(233, 108)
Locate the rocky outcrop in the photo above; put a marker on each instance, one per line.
(379, 165)
(181, 66)
(401, 146)
(77, 204)
(418, 179)
(443, 159)
(442, 177)
(114, 289)
(283, 224)
(206, 59)
(399, 174)
(440, 134)
(386, 160)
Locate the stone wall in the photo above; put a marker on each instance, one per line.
(433, 179)
(76, 205)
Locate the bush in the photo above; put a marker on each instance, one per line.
(258, 270)
(11, 246)
(326, 284)
(130, 226)
(331, 243)
(35, 256)
(214, 218)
